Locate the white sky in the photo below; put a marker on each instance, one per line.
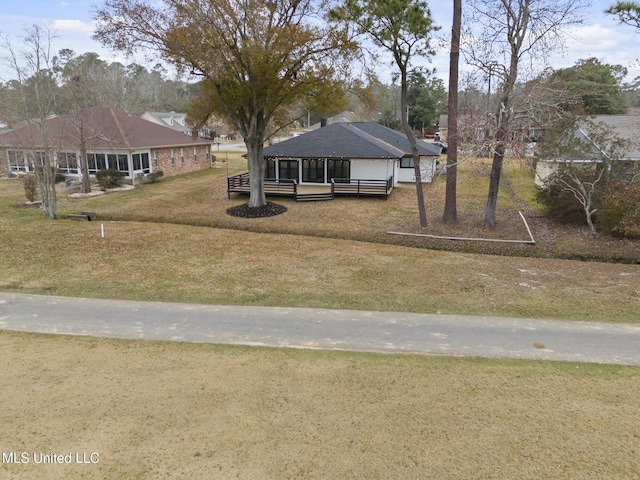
(601, 37)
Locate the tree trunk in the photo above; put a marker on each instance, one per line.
(255, 163)
(502, 131)
(254, 140)
(414, 149)
(494, 179)
(450, 205)
(589, 215)
(84, 165)
(45, 177)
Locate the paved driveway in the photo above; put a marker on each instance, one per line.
(325, 329)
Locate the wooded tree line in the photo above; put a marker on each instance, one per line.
(590, 87)
(86, 79)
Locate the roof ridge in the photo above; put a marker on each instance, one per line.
(119, 126)
(371, 138)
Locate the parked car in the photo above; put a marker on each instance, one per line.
(443, 145)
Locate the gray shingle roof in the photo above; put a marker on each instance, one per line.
(627, 128)
(365, 140)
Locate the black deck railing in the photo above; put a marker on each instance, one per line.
(283, 188)
(289, 188)
(362, 188)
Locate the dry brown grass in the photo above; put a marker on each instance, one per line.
(201, 199)
(180, 263)
(311, 256)
(166, 410)
(161, 410)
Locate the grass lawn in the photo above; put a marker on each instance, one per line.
(159, 245)
(166, 410)
(155, 410)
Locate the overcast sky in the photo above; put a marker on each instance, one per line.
(601, 36)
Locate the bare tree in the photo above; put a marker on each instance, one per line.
(586, 153)
(512, 31)
(33, 66)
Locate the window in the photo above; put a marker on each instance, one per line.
(146, 163)
(208, 154)
(112, 161)
(17, 161)
(141, 162)
(91, 161)
(182, 156)
(195, 154)
(313, 170)
(270, 171)
(173, 157)
(288, 169)
(68, 162)
(406, 162)
(155, 159)
(122, 163)
(339, 170)
(39, 158)
(101, 161)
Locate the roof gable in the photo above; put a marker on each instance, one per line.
(366, 140)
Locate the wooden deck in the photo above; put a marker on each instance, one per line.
(291, 188)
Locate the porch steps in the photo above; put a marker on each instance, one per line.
(314, 197)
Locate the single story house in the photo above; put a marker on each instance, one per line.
(178, 122)
(113, 139)
(625, 127)
(344, 151)
(474, 128)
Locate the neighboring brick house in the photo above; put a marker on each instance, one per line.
(113, 138)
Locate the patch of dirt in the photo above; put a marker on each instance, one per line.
(96, 193)
(268, 210)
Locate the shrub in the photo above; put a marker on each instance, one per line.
(619, 213)
(30, 186)
(155, 176)
(59, 177)
(561, 206)
(109, 178)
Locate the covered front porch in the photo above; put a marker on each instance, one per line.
(301, 192)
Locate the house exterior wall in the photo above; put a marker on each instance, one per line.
(544, 169)
(170, 160)
(427, 171)
(195, 158)
(372, 169)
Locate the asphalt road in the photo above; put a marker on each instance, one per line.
(325, 329)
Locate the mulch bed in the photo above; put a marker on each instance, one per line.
(245, 211)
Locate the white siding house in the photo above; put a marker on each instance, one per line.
(349, 151)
